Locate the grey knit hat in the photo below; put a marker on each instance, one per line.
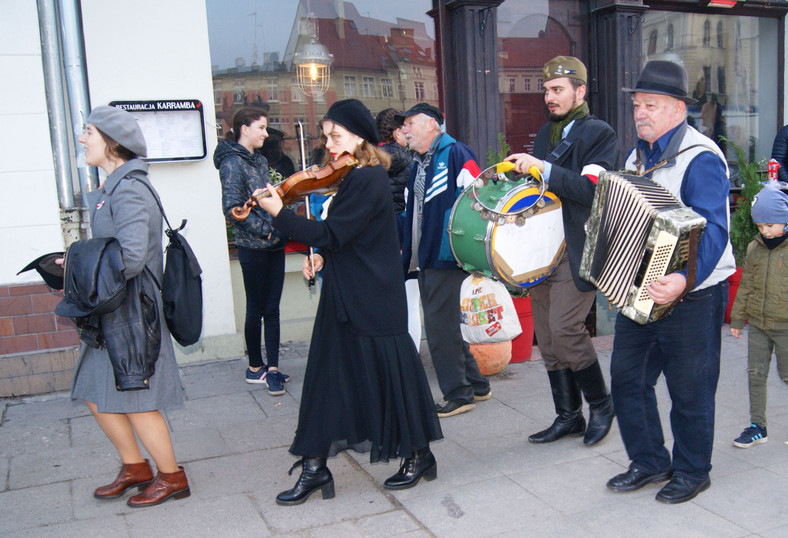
(770, 206)
(121, 126)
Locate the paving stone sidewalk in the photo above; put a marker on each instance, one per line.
(233, 437)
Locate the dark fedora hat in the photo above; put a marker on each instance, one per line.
(664, 78)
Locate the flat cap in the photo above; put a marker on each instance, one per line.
(422, 108)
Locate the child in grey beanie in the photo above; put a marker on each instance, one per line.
(764, 282)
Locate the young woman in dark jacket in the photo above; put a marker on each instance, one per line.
(243, 169)
(123, 208)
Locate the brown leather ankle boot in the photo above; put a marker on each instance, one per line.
(132, 474)
(164, 486)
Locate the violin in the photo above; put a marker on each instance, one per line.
(314, 180)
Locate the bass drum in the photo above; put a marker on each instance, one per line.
(508, 230)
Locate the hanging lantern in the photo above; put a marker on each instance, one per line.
(313, 65)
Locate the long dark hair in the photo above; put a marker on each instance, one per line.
(245, 116)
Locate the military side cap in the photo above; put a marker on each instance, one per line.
(565, 66)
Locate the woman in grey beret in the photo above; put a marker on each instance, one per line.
(124, 208)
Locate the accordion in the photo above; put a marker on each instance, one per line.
(637, 233)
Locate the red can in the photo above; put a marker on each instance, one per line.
(773, 167)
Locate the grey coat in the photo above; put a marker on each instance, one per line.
(131, 215)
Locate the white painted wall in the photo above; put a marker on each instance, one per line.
(29, 213)
(159, 50)
(143, 50)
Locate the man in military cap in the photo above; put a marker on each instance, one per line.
(569, 151)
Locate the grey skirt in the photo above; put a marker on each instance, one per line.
(94, 381)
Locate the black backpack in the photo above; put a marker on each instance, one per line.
(181, 288)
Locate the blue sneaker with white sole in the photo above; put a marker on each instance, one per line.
(754, 434)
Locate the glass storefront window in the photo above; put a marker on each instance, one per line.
(732, 67)
(529, 34)
(382, 53)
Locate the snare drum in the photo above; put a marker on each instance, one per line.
(509, 230)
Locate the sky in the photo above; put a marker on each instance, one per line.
(232, 32)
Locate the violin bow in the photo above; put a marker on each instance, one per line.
(308, 210)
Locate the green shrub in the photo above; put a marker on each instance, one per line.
(743, 230)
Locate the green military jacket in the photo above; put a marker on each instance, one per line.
(763, 292)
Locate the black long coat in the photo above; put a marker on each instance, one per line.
(359, 243)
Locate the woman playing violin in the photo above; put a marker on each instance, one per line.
(365, 386)
(243, 170)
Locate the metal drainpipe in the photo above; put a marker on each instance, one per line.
(58, 132)
(76, 84)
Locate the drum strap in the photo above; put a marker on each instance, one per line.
(561, 151)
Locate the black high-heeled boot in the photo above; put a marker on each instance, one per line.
(422, 463)
(314, 476)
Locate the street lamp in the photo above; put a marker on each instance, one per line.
(313, 67)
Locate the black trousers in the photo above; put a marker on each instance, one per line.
(264, 277)
(458, 374)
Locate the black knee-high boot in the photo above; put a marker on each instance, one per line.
(568, 405)
(314, 476)
(422, 463)
(599, 400)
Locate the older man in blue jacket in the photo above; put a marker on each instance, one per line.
(442, 167)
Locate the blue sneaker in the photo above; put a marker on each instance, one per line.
(752, 435)
(275, 382)
(285, 377)
(256, 377)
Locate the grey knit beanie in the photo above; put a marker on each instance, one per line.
(121, 126)
(770, 206)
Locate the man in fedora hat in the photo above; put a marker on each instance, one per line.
(569, 151)
(685, 346)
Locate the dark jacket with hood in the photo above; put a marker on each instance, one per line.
(241, 174)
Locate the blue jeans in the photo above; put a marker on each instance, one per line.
(685, 347)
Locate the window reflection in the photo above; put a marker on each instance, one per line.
(736, 99)
(383, 53)
(529, 34)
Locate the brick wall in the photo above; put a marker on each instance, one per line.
(37, 348)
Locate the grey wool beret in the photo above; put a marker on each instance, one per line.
(121, 126)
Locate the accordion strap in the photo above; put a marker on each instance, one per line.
(663, 162)
(692, 265)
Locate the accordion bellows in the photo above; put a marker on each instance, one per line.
(638, 231)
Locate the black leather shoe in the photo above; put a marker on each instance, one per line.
(412, 469)
(635, 479)
(681, 489)
(314, 476)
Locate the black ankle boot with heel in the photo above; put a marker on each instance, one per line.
(314, 476)
(421, 464)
